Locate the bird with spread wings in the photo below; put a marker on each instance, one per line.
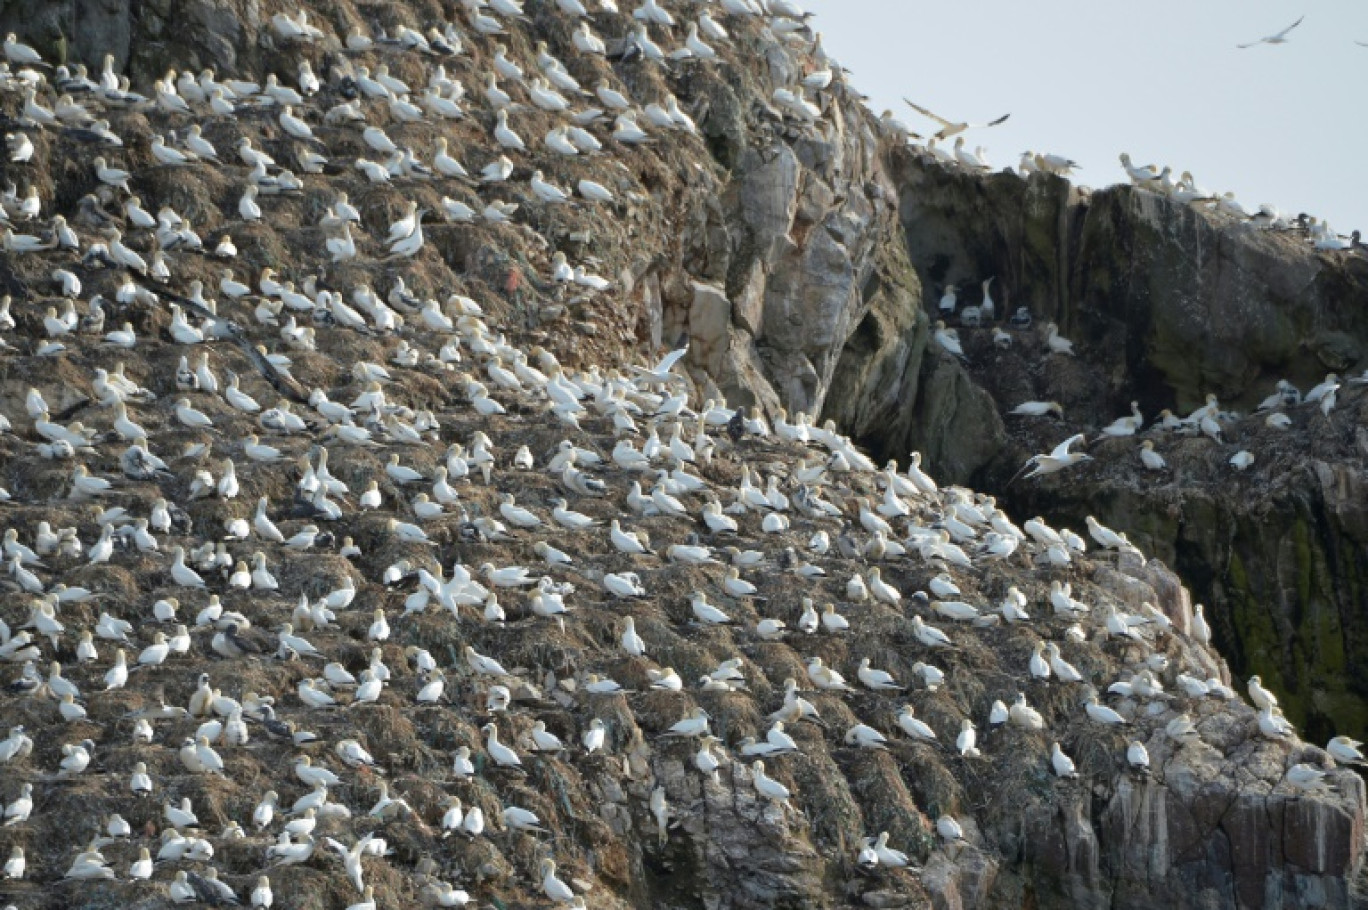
(949, 129)
(1279, 38)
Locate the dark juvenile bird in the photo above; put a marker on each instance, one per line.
(736, 426)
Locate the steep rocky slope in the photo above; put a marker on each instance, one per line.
(774, 245)
(793, 222)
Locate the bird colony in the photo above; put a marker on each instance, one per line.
(1230, 430)
(1184, 189)
(1225, 427)
(321, 592)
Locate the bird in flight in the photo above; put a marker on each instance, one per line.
(1362, 43)
(950, 129)
(1279, 38)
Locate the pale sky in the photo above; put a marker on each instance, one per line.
(1284, 124)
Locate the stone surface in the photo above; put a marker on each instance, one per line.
(1191, 304)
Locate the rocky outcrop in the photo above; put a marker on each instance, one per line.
(143, 37)
(1211, 826)
(1276, 557)
(805, 255)
(1190, 303)
(1165, 304)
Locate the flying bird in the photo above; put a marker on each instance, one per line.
(948, 128)
(1279, 38)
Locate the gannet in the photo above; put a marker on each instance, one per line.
(1101, 713)
(949, 129)
(695, 724)
(865, 737)
(626, 129)
(1063, 765)
(967, 740)
(502, 754)
(1273, 725)
(1261, 697)
(1038, 409)
(1125, 426)
(1278, 38)
(167, 155)
(1038, 666)
(1345, 750)
(767, 786)
(21, 54)
(914, 726)
(824, 677)
(948, 339)
(1062, 669)
(884, 854)
(1105, 536)
(1057, 460)
(20, 808)
(505, 136)
(998, 714)
(552, 886)
(76, 757)
(1307, 777)
(1137, 756)
(1141, 176)
(611, 98)
(1023, 715)
(1151, 459)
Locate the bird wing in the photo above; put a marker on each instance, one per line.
(925, 113)
(671, 359)
(1362, 43)
(1273, 39)
(950, 129)
(1062, 450)
(1284, 32)
(203, 892)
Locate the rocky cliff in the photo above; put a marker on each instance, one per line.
(770, 240)
(791, 250)
(1167, 303)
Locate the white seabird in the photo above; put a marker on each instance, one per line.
(1057, 460)
(948, 128)
(1278, 38)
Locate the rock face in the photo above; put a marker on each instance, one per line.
(797, 228)
(141, 37)
(794, 257)
(1181, 837)
(804, 254)
(1194, 305)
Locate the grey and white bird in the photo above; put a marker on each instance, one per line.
(1276, 38)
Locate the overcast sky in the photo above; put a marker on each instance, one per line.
(1163, 80)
